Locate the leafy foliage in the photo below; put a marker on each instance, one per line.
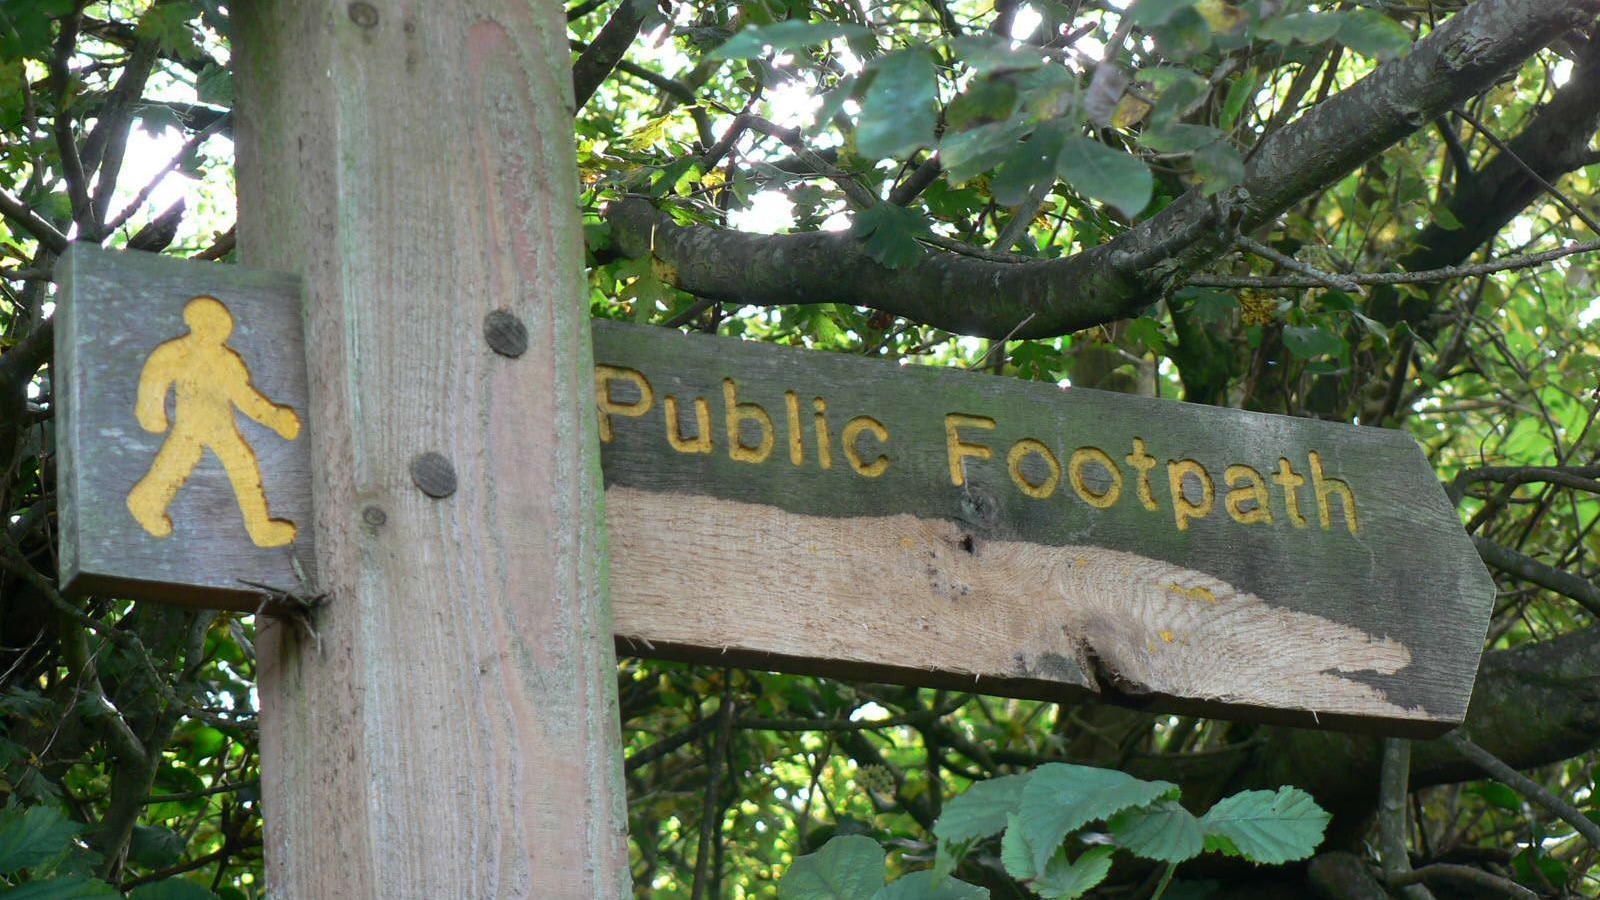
(1038, 810)
(1053, 123)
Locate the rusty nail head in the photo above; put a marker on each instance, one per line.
(374, 516)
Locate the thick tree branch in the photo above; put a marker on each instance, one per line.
(1462, 57)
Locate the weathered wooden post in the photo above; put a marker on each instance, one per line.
(455, 734)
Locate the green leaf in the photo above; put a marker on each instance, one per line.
(832, 102)
(25, 26)
(966, 153)
(846, 868)
(1266, 827)
(1219, 166)
(925, 886)
(168, 24)
(889, 233)
(1149, 13)
(1016, 854)
(981, 810)
(71, 887)
(1186, 34)
(1062, 798)
(1498, 795)
(1305, 27)
(1147, 331)
(897, 114)
(154, 847)
(214, 85)
(1030, 164)
(32, 835)
(1067, 881)
(1163, 831)
(779, 36)
(1307, 341)
(1179, 137)
(171, 889)
(1372, 33)
(1113, 178)
(991, 54)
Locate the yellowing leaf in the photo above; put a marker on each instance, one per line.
(1220, 14)
(1130, 111)
(650, 133)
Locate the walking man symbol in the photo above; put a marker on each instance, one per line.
(210, 379)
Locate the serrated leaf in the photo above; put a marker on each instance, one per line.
(1064, 880)
(1219, 167)
(1266, 827)
(214, 85)
(32, 835)
(1307, 341)
(756, 40)
(1097, 171)
(1016, 854)
(1372, 33)
(1062, 798)
(1163, 831)
(897, 114)
(846, 868)
(926, 886)
(981, 810)
(889, 234)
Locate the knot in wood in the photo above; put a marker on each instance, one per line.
(433, 474)
(505, 333)
(364, 14)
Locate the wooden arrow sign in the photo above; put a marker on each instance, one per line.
(826, 513)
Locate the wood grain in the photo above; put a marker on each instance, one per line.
(114, 311)
(456, 735)
(1152, 551)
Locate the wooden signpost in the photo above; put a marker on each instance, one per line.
(825, 513)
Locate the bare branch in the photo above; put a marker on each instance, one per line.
(1527, 787)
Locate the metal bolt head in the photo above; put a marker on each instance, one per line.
(374, 516)
(363, 14)
(433, 474)
(505, 333)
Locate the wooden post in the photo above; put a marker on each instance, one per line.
(451, 730)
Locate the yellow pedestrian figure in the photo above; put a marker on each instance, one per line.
(210, 379)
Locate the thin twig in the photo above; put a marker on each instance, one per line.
(1328, 279)
(1526, 261)
(1531, 790)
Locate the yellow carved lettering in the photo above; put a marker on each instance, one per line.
(1082, 457)
(1184, 509)
(852, 431)
(1142, 463)
(701, 442)
(1323, 487)
(1254, 488)
(603, 376)
(797, 450)
(1290, 482)
(824, 445)
(959, 449)
(1019, 451)
(737, 413)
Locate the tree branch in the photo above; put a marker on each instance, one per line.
(1526, 786)
(1575, 587)
(1459, 59)
(595, 63)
